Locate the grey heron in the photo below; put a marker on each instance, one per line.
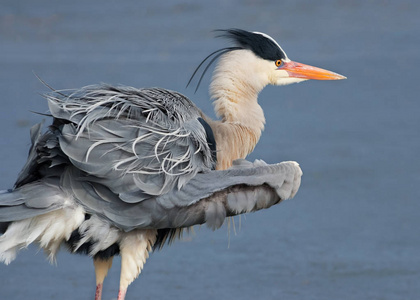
(122, 171)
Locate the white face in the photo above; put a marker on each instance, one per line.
(288, 72)
(283, 78)
(277, 76)
(245, 66)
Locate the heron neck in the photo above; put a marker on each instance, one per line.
(233, 141)
(242, 119)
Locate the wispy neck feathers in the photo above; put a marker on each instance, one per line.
(234, 90)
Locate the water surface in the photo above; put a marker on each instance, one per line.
(352, 230)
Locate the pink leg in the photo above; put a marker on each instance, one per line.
(121, 294)
(98, 294)
(134, 249)
(101, 269)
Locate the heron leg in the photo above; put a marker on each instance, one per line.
(134, 249)
(101, 270)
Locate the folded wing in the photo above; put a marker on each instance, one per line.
(139, 158)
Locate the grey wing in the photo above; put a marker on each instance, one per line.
(207, 198)
(138, 143)
(140, 159)
(37, 189)
(130, 144)
(244, 188)
(30, 200)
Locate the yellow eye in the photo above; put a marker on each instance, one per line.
(278, 63)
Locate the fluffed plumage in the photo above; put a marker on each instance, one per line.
(133, 158)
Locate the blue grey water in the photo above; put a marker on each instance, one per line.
(352, 231)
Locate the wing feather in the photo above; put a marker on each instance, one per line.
(136, 142)
(139, 158)
(207, 198)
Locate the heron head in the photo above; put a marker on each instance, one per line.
(260, 57)
(280, 69)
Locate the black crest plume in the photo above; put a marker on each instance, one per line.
(259, 44)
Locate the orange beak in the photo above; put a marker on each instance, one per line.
(298, 70)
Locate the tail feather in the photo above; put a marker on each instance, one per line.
(36, 212)
(49, 230)
(31, 200)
